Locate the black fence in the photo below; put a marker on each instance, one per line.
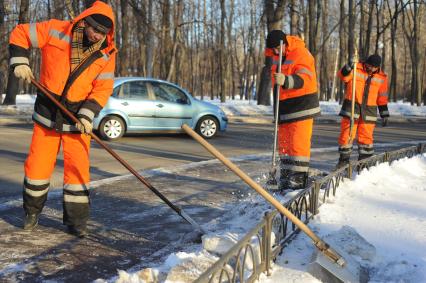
(254, 253)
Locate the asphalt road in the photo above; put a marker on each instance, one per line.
(130, 227)
(152, 151)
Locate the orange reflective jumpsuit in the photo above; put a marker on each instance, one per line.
(371, 92)
(298, 106)
(84, 91)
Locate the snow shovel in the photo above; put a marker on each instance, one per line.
(177, 209)
(355, 61)
(338, 266)
(272, 180)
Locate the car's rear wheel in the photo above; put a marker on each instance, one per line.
(112, 128)
(207, 127)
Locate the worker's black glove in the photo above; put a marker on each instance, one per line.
(384, 121)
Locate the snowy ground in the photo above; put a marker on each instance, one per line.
(250, 108)
(384, 205)
(245, 108)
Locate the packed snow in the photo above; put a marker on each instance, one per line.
(380, 213)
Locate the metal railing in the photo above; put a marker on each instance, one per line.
(253, 254)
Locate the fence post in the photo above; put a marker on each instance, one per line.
(267, 242)
(315, 197)
(350, 170)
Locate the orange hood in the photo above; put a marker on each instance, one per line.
(99, 7)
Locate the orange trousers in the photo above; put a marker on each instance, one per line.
(294, 145)
(365, 132)
(44, 149)
(39, 166)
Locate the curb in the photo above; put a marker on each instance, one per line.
(6, 120)
(266, 119)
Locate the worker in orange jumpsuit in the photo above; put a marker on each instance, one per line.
(371, 92)
(78, 63)
(298, 105)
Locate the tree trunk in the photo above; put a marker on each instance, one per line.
(13, 82)
(371, 9)
(123, 68)
(3, 51)
(222, 63)
(351, 34)
(274, 15)
(294, 18)
(325, 63)
(150, 41)
(342, 41)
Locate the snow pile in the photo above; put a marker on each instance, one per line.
(237, 107)
(384, 205)
(250, 108)
(24, 105)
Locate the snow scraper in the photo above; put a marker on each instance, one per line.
(355, 61)
(272, 180)
(198, 230)
(337, 267)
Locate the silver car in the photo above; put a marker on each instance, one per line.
(144, 105)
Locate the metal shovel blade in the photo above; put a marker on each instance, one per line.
(326, 270)
(272, 179)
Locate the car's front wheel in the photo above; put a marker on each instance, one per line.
(207, 127)
(112, 128)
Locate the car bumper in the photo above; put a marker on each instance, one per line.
(223, 123)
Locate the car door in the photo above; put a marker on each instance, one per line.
(137, 104)
(172, 106)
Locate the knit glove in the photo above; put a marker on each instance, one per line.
(279, 79)
(24, 73)
(85, 126)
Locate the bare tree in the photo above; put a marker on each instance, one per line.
(324, 74)
(351, 31)
(342, 44)
(274, 12)
(410, 23)
(294, 17)
(13, 82)
(124, 48)
(3, 52)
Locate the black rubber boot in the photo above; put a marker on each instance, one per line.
(31, 221)
(78, 231)
(292, 181)
(362, 156)
(343, 160)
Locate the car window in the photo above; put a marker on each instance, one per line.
(133, 90)
(169, 93)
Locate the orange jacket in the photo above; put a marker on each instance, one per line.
(87, 89)
(298, 95)
(370, 92)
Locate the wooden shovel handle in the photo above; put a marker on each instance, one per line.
(320, 244)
